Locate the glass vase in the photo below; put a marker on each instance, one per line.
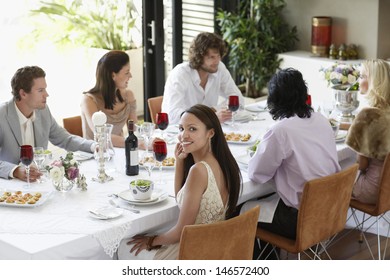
(63, 185)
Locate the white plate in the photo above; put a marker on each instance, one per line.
(251, 141)
(257, 107)
(80, 155)
(106, 213)
(170, 167)
(157, 196)
(42, 199)
(243, 159)
(341, 135)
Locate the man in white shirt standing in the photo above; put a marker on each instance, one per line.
(201, 80)
(26, 120)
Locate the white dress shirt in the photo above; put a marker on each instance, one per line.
(26, 127)
(182, 90)
(294, 151)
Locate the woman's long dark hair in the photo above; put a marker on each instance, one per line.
(111, 62)
(287, 95)
(231, 171)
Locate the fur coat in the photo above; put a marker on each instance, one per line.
(369, 134)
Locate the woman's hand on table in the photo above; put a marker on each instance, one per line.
(142, 242)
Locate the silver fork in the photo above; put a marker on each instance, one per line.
(115, 204)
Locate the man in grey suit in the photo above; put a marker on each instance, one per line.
(26, 120)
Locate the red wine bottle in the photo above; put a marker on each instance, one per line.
(131, 150)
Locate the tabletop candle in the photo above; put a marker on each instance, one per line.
(99, 118)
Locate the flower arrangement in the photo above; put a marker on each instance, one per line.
(64, 167)
(341, 75)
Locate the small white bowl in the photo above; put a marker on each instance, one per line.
(141, 189)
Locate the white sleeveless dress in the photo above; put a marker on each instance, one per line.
(211, 210)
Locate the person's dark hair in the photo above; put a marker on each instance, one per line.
(231, 171)
(111, 62)
(287, 95)
(24, 79)
(201, 44)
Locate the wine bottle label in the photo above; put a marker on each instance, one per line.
(134, 157)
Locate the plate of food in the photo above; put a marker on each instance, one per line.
(239, 138)
(158, 196)
(168, 163)
(23, 199)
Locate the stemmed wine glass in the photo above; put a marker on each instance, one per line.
(26, 157)
(162, 122)
(160, 153)
(39, 159)
(234, 105)
(147, 130)
(148, 162)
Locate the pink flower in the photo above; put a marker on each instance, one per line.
(72, 173)
(57, 163)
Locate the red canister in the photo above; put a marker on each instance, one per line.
(321, 35)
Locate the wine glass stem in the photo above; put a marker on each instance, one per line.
(147, 144)
(28, 175)
(161, 171)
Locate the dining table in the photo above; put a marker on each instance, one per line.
(61, 225)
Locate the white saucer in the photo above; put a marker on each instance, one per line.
(106, 213)
(157, 196)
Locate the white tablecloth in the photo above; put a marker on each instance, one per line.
(62, 228)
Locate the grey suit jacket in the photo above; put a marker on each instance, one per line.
(45, 129)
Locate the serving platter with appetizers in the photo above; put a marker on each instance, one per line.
(23, 199)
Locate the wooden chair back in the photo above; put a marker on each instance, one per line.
(232, 239)
(73, 125)
(322, 214)
(154, 104)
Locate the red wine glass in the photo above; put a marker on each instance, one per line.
(160, 153)
(26, 157)
(162, 122)
(234, 105)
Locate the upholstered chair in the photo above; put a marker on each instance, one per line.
(232, 239)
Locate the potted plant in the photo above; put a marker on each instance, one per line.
(256, 34)
(104, 24)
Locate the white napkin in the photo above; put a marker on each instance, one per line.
(243, 116)
(257, 107)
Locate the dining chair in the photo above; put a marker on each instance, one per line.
(376, 211)
(231, 239)
(321, 215)
(73, 125)
(154, 104)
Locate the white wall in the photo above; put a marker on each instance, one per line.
(354, 22)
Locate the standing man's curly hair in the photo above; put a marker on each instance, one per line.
(201, 44)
